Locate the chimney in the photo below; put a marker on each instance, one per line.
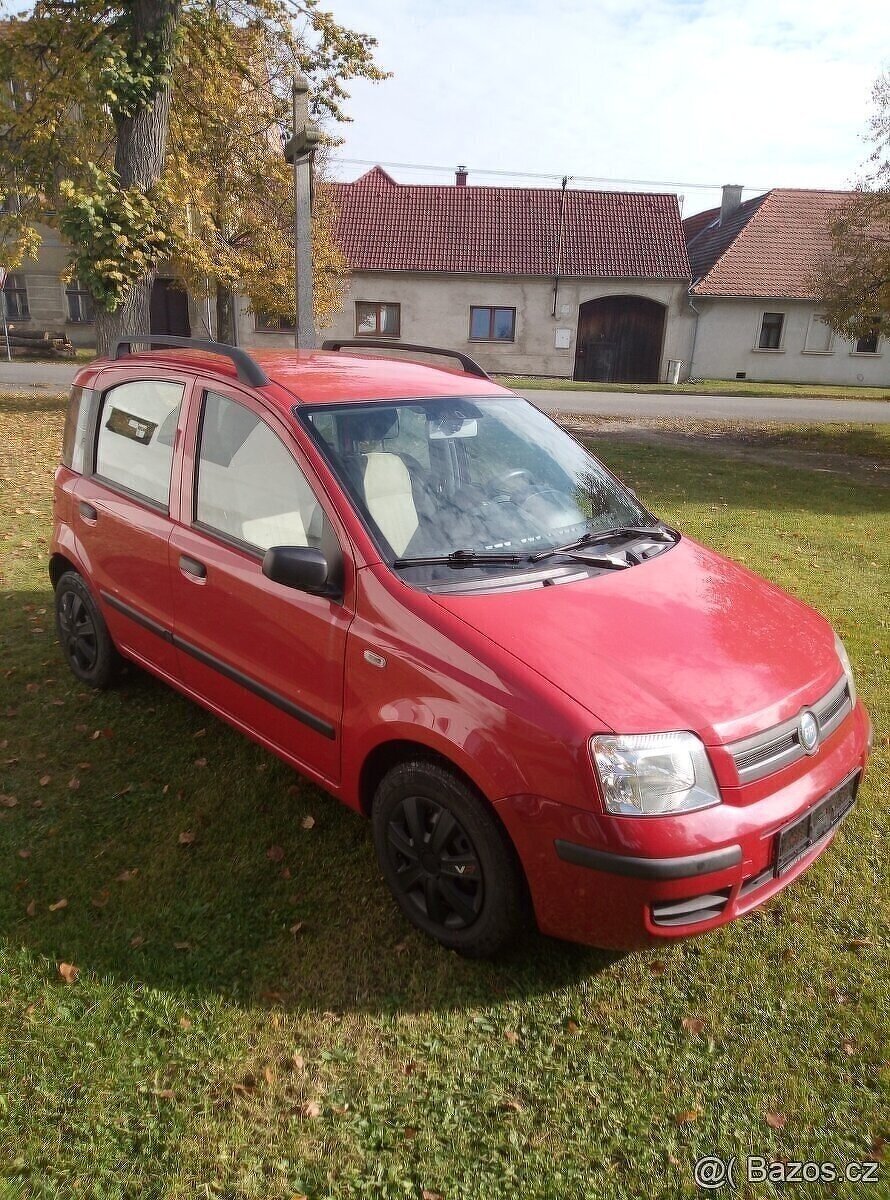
(460, 177)
(732, 198)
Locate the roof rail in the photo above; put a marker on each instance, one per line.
(471, 367)
(247, 368)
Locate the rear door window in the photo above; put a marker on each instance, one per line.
(137, 431)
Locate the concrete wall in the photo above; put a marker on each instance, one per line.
(435, 310)
(729, 331)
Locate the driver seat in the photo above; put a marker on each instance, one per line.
(389, 495)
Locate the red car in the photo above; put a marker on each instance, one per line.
(427, 597)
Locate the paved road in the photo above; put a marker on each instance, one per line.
(714, 408)
(56, 377)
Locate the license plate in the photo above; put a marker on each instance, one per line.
(802, 834)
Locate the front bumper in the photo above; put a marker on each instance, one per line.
(622, 883)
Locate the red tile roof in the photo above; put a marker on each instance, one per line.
(770, 246)
(389, 226)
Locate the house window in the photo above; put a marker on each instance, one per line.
(489, 324)
(15, 298)
(80, 303)
(771, 327)
(268, 323)
(373, 319)
(819, 337)
(867, 344)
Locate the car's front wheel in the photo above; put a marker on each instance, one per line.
(446, 859)
(83, 634)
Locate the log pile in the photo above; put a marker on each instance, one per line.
(37, 343)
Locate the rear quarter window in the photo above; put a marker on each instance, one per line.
(77, 426)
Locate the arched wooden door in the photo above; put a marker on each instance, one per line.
(619, 340)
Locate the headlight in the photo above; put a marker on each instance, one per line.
(847, 665)
(647, 775)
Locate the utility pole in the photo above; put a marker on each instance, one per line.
(299, 151)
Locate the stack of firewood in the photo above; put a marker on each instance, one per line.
(37, 343)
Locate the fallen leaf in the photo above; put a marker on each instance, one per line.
(101, 899)
(848, 1048)
(199, 733)
(31, 910)
(58, 904)
(511, 1104)
(310, 1109)
(308, 822)
(776, 1120)
(136, 941)
(511, 1036)
(426, 1194)
(299, 1063)
(572, 1027)
(269, 1075)
(409, 1133)
(285, 872)
(69, 972)
(275, 854)
(693, 1025)
(182, 945)
(24, 853)
(186, 838)
(127, 876)
(8, 801)
(200, 762)
(74, 783)
(657, 967)
(860, 943)
(410, 1068)
(686, 1118)
(37, 804)
(295, 929)
(45, 779)
(185, 1023)
(164, 1094)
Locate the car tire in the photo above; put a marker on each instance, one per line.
(447, 860)
(83, 634)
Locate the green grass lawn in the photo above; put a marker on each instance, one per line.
(701, 387)
(252, 1017)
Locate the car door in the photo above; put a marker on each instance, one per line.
(268, 657)
(122, 505)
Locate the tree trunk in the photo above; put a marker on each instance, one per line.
(139, 152)
(225, 315)
(133, 316)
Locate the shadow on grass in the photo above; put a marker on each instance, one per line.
(182, 852)
(39, 402)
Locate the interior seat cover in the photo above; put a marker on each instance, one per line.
(390, 498)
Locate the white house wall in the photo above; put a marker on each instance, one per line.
(435, 311)
(729, 330)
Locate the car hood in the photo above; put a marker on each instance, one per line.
(685, 640)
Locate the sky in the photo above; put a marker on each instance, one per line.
(764, 93)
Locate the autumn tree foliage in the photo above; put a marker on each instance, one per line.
(854, 277)
(150, 130)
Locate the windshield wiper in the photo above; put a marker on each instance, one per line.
(461, 558)
(658, 534)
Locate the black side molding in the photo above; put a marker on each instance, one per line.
(649, 868)
(325, 728)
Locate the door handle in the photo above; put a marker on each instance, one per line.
(191, 567)
(89, 512)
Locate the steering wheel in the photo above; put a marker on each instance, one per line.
(502, 482)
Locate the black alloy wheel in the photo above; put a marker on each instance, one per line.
(436, 866)
(77, 633)
(447, 858)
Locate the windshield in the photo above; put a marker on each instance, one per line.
(491, 476)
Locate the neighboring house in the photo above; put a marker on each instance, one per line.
(35, 297)
(532, 281)
(753, 270)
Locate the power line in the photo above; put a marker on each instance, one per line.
(665, 183)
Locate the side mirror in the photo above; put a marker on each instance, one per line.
(302, 567)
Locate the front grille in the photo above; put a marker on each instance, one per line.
(760, 755)
(690, 911)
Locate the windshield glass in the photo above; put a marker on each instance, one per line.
(494, 476)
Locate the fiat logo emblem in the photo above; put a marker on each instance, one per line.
(808, 732)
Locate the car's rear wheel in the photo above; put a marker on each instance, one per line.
(446, 859)
(83, 634)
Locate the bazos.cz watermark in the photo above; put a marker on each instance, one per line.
(713, 1172)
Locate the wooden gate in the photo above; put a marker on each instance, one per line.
(619, 340)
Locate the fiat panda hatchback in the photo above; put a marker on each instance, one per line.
(428, 598)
